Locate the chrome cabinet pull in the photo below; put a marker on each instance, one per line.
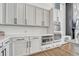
(15, 20)
(27, 44)
(20, 39)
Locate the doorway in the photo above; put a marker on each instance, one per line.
(70, 25)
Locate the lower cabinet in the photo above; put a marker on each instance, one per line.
(35, 44)
(28, 45)
(19, 46)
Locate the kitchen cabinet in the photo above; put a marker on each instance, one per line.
(11, 13)
(46, 18)
(30, 15)
(39, 17)
(19, 46)
(20, 13)
(2, 13)
(35, 44)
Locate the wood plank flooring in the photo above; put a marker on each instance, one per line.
(59, 51)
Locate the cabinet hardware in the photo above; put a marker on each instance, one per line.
(27, 44)
(35, 38)
(15, 20)
(20, 39)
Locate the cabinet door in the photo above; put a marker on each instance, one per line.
(46, 18)
(20, 13)
(2, 13)
(19, 47)
(39, 17)
(30, 15)
(10, 13)
(35, 43)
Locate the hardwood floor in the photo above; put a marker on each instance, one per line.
(64, 50)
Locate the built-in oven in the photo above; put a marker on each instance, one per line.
(48, 39)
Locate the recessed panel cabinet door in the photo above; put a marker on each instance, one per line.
(30, 15)
(35, 43)
(20, 13)
(19, 47)
(39, 17)
(10, 13)
(0, 13)
(46, 18)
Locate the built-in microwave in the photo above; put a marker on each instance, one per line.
(48, 39)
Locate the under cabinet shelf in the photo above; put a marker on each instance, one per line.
(23, 25)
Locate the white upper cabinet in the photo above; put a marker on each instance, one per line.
(30, 15)
(10, 13)
(2, 13)
(46, 18)
(20, 13)
(39, 17)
